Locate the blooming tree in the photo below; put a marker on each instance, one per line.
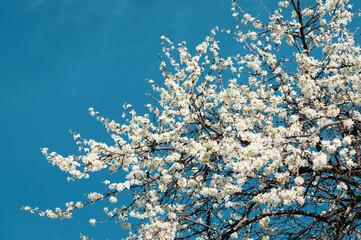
(263, 144)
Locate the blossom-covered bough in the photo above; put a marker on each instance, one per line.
(264, 144)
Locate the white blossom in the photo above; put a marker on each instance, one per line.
(241, 144)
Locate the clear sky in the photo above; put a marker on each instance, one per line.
(60, 57)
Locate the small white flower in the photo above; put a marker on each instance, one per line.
(234, 235)
(264, 222)
(113, 199)
(347, 140)
(91, 111)
(284, 4)
(299, 180)
(92, 221)
(44, 150)
(348, 123)
(172, 215)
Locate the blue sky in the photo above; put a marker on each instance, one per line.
(60, 57)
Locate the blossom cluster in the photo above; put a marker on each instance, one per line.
(240, 140)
